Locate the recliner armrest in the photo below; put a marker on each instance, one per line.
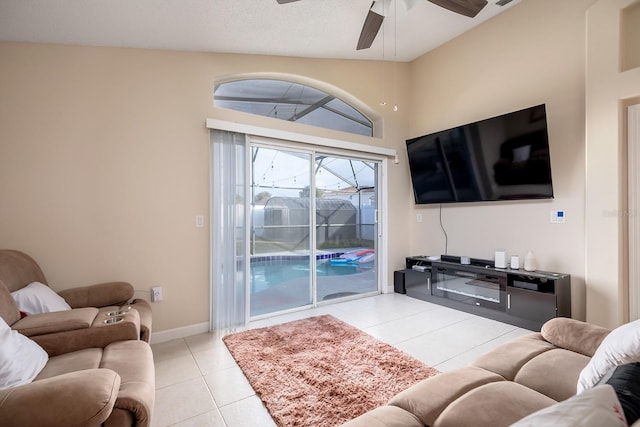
(57, 321)
(99, 335)
(137, 391)
(82, 398)
(99, 295)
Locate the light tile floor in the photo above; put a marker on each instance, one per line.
(199, 384)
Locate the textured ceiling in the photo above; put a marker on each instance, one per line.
(307, 28)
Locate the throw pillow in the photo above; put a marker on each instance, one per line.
(595, 407)
(621, 346)
(36, 298)
(21, 359)
(626, 383)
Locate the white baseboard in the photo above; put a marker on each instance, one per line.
(183, 332)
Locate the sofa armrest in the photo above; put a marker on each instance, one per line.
(574, 335)
(82, 398)
(57, 321)
(100, 295)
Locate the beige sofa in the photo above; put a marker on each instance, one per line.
(501, 387)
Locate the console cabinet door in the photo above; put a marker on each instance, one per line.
(418, 283)
(537, 307)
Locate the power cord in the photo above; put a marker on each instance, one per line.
(446, 238)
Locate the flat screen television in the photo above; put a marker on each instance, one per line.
(500, 158)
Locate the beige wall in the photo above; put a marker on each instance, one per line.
(531, 54)
(608, 90)
(104, 162)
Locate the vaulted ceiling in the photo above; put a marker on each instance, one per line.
(305, 28)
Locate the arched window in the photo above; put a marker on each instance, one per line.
(292, 101)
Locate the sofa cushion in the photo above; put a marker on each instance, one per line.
(507, 359)
(498, 404)
(594, 408)
(71, 362)
(21, 359)
(428, 398)
(621, 346)
(553, 373)
(36, 298)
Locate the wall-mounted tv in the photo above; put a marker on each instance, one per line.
(501, 158)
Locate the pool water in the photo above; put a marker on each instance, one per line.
(265, 274)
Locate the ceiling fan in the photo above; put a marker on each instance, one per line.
(376, 14)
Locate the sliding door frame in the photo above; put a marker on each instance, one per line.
(633, 210)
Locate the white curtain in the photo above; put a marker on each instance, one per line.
(228, 243)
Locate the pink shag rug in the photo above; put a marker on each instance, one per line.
(320, 371)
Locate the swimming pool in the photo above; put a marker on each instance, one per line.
(271, 272)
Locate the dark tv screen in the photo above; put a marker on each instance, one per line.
(501, 158)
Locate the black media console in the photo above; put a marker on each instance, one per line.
(522, 298)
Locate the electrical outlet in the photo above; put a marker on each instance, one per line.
(156, 293)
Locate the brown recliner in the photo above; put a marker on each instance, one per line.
(110, 386)
(101, 313)
(97, 373)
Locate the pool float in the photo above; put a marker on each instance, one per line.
(354, 257)
(369, 257)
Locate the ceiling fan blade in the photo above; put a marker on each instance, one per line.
(285, 1)
(372, 24)
(468, 8)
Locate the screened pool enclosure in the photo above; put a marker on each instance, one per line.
(286, 220)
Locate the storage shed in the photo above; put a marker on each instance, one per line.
(286, 219)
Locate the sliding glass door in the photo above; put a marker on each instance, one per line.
(281, 240)
(313, 231)
(346, 227)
